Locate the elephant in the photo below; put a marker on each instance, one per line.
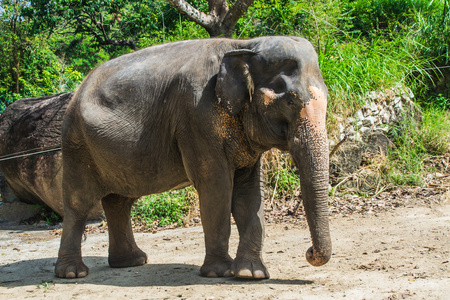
(30, 125)
(201, 113)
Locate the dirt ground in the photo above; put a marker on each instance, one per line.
(402, 252)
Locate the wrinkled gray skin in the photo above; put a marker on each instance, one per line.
(27, 124)
(197, 112)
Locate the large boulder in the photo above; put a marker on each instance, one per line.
(32, 125)
(346, 164)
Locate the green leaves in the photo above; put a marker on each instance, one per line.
(163, 209)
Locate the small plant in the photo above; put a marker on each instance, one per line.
(280, 174)
(44, 213)
(163, 209)
(46, 285)
(405, 162)
(435, 131)
(442, 102)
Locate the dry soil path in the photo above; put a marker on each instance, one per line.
(402, 253)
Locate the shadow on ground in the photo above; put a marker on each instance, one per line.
(38, 271)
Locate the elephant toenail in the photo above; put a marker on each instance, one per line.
(245, 273)
(259, 274)
(211, 274)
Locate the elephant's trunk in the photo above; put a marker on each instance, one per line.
(312, 162)
(309, 149)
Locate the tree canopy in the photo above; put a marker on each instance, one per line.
(48, 46)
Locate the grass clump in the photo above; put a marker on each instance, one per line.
(436, 131)
(164, 209)
(280, 175)
(417, 141)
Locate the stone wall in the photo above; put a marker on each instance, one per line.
(382, 110)
(365, 135)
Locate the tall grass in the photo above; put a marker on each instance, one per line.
(417, 140)
(435, 131)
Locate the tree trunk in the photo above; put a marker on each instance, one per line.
(221, 19)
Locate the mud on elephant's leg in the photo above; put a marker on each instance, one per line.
(123, 251)
(215, 209)
(247, 208)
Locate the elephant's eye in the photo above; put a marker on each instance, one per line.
(292, 97)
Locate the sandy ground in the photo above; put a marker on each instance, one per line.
(398, 254)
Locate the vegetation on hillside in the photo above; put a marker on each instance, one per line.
(47, 47)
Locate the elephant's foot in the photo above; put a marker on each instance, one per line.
(71, 268)
(249, 269)
(217, 267)
(133, 258)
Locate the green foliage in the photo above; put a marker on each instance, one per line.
(406, 162)
(389, 16)
(280, 174)
(46, 214)
(47, 47)
(163, 209)
(283, 181)
(434, 33)
(354, 68)
(435, 131)
(46, 285)
(416, 140)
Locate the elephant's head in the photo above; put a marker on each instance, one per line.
(278, 89)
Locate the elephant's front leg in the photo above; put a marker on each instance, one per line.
(215, 192)
(247, 208)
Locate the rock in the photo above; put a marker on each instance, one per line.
(351, 131)
(372, 106)
(346, 160)
(365, 130)
(369, 121)
(372, 95)
(385, 116)
(331, 143)
(377, 143)
(17, 212)
(6, 194)
(359, 115)
(341, 128)
(367, 112)
(398, 107)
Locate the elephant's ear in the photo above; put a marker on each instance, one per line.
(234, 85)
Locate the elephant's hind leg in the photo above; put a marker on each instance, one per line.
(70, 263)
(123, 251)
(76, 211)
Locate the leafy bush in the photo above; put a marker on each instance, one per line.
(416, 141)
(280, 175)
(163, 209)
(405, 163)
(435, 131)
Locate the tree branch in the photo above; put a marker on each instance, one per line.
(218, 8)
(220, 21)
(192, 13)
(236, 11)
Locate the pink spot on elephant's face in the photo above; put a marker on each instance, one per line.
(315, 110)
(269, 96)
